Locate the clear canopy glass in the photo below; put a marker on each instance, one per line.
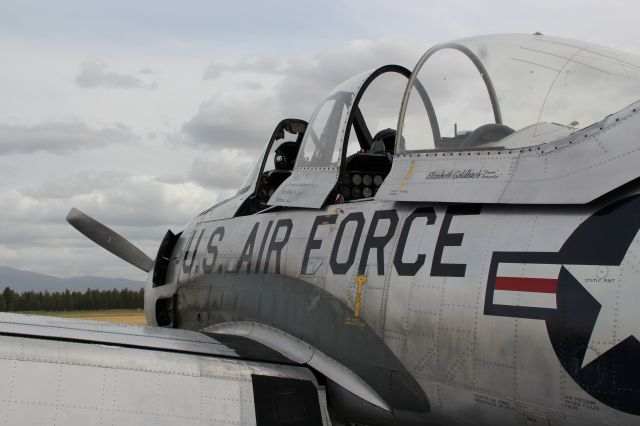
(528, 89)
(249, 182)
(322, 142)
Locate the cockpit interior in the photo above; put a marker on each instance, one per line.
(275, 164)
(353, 132)
(366, 169)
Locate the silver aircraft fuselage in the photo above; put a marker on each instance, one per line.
(412, 298)
(491, 276)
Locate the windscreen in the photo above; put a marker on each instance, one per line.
(322, 143)
(250, 181)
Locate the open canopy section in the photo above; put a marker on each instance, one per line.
(270, 169)
(346, 137)
(517, 119)
(512, 91)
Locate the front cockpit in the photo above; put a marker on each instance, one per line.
(273, 167)
(343, 154)
(348, 148)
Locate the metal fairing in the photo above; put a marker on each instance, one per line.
(306, 187)
(574, 170)
(414, 300)
(227, 208)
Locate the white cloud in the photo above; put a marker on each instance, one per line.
(259, 64)
(223, 169)
(118, 198)
(35, 236)
(308, 80)
(60, 137)
(234, 120)
(243, 115)
(72, 186)
(96, 74)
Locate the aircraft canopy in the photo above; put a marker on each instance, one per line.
(543, 88)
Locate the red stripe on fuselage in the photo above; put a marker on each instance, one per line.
(534, 285)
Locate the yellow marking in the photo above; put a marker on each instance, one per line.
(354, 321)
(406, 178)
(360, 280)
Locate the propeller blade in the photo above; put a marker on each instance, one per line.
(109, 239)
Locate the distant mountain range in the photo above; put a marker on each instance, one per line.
(22, 281)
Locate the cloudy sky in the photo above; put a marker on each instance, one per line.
(143, 114)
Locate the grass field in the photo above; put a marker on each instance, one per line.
(120, 316)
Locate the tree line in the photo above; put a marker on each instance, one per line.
(12, 301)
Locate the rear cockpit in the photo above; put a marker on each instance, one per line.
(513, 91)
(516, 119)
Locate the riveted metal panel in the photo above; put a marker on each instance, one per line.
(573, 170)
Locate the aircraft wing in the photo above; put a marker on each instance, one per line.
(66, 371)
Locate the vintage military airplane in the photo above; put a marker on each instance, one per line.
(429, 274)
